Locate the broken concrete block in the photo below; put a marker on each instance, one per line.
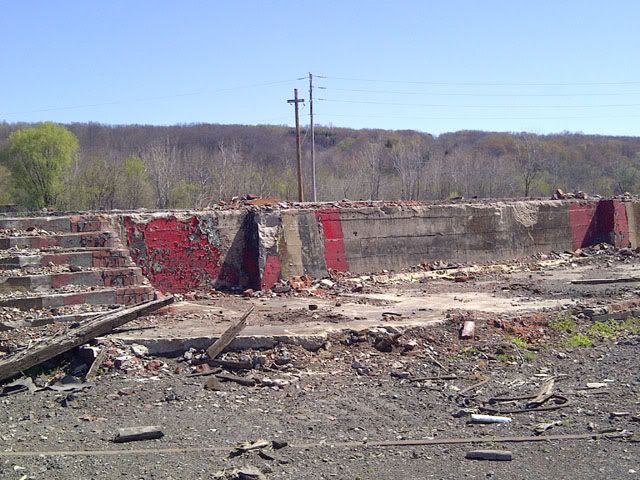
(326, 283)
(139, 350)
(468, 330)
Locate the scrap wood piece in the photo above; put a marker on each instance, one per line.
(232, 365)
(55, 345)
(93, 370)
(434, 378)
(134, 434)
(545, 393)
(244, 473)
(540, 428)
(600, 281)
(496, 455)
(227, 337)
(214, 371)
(434, 361)
(473, 387)
(227, 377)
(250, 446)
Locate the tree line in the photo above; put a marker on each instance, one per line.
(93, 166)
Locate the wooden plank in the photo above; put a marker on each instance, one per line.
(134, 434)
(93, 371)
(495, 455)
(228, 377)
(227, 337)
(57, 344)
(601, 281)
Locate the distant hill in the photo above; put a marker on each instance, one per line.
(199, 164)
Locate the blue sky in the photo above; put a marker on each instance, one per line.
(542, 66)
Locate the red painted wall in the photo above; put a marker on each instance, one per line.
(604, 221)
(334, 252)
(174, 255)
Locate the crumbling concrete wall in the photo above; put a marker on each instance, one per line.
(632, 216)
(255, 248)
(599, 221)
(394, 236)
(291, 243)
(179, 252)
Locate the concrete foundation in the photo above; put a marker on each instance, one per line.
(256, 247)
(395, 236)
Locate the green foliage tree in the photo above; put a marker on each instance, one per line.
(37, 158)
(182, 194)
(6, 187)
(96, 185)
(134, 189)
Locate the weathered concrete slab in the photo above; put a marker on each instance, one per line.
(89, 257)
(107, 277)
(106, 296)
(64, 223)
(67, 240)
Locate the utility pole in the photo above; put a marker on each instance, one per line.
(313, 140)
(296, 101)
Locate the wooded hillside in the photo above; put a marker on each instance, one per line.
(195, 165)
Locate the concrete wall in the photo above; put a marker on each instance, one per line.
(179, 252)
(291, 243)
(187, 251)
(392, 237)
(632, 215)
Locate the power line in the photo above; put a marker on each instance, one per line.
(466, 117)
(458, 94)
(487, 84)
(443, 105)
(150, 99)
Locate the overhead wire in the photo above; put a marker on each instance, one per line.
(573, 110)
(460, 94)
(477, 118)
(443, 105)
(487, 84)
(150, 99)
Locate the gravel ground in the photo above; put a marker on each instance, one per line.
(348, 392)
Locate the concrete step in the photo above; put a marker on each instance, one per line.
(64, 240)
(108, 277)
(63, 224)
(96, 257)
(103, 296)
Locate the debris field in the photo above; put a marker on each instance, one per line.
(520, 368)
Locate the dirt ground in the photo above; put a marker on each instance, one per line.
(334, 405)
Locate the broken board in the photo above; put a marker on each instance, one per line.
(73, 337)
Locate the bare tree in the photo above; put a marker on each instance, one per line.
(528, 157)
(410, 157)
(229, 163)
(373, 155)
(161, 161)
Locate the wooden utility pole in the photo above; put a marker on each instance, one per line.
(296, 101)
(313, 140)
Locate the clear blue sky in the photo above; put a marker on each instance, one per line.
(446, 65)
